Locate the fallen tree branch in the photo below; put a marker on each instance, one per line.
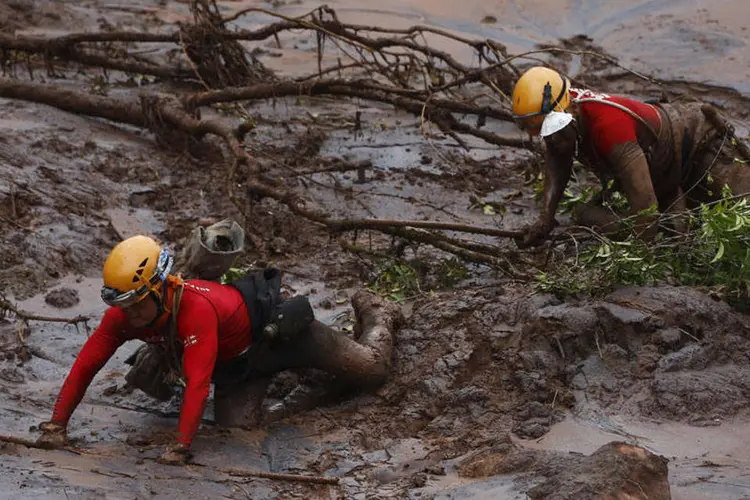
(349, 225)
(365, 89)
(436, 110)
(65, 50)
(29, 443)
(23, 442)
(279, 476)
(438, 240)
(27, 316)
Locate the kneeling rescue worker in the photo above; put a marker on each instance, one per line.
(658, 154)
(198, 331)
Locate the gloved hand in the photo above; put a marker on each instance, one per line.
(175, 454)
(53, 436)
(535, 234)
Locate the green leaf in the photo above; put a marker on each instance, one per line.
(720, 253)
(604, 251)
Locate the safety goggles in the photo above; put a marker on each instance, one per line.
(116, 298)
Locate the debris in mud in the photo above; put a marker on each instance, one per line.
(616, 470)
(62, 298)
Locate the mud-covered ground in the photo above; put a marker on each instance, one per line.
(496, 391)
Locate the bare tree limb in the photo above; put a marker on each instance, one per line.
(27, 316)
(348, 225)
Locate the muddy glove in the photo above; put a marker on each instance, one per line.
(175, 454)
(535, 234)
(53, 436)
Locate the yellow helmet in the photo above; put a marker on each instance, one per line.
(538, 92)
(135, 267)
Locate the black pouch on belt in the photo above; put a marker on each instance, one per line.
(289, 319)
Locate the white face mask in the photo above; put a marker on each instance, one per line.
(554, 122)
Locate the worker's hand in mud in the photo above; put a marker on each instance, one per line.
(54, 435)
(175, 454)
(534, 235)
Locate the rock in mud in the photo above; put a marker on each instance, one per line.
(502, 458)
(615, 471)
(62, 298)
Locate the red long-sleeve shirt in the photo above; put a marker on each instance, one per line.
(212, 324)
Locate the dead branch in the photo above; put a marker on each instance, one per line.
(65, 50)
(279, 476)
(436, 110)
(437, 240)
(216, 56)
(348, 225)
(74, 101)
(410, 100)
(346, 167)
(27, 316)
(16, 223)
(23, 442)
(33, 444)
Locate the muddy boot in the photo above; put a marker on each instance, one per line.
(364, 362)
(240, 405)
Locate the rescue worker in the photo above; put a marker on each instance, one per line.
(657, 154)
(237, 335)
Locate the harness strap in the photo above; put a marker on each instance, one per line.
(174, 359)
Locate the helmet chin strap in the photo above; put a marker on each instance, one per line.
(160, 303)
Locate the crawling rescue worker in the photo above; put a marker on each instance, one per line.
(658, 154)
(197, 331)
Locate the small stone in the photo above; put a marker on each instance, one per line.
(62, 298)
(669, 337)
(436, 470)
(109, 391)
(489, 20)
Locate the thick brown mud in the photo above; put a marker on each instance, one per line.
(496, 391)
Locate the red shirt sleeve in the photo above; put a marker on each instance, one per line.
(198, 326)
(97, 350)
